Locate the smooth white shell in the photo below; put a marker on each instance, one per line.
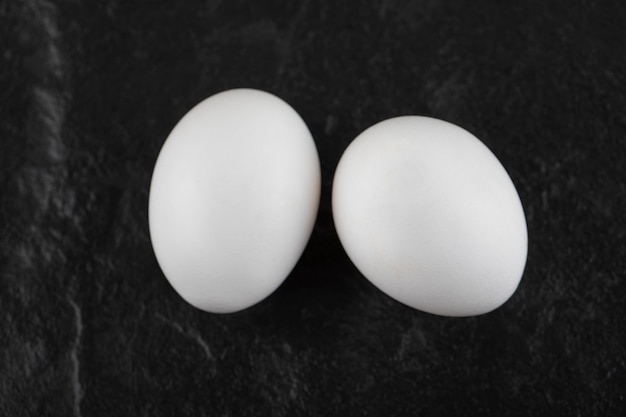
(233, 199)
(429, 215)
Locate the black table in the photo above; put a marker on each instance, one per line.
(89, 91)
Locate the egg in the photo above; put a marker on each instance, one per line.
(428, 214)
(233, 199)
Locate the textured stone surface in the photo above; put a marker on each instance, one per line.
(90, 90)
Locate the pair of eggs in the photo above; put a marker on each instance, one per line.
(423, 209)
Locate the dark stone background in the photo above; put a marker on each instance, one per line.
(90, 90)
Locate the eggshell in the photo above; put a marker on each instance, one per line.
(429, 215)
(233, 199)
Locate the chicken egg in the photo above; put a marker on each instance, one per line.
(233, 199)
(428, 214)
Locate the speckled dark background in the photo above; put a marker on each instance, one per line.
(90, 90)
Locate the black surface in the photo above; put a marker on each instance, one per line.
(90, 90)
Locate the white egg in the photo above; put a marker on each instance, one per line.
(233, 199)
(429, 215)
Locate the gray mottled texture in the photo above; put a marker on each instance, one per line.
(90, 90)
